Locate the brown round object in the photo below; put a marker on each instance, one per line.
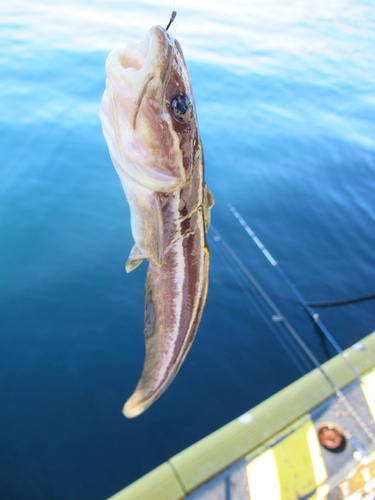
(331, 437)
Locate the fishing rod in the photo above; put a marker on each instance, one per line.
(313, 315)
(218, 238)
(261, 307)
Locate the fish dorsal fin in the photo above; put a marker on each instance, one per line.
(209, 202)
(135, 259)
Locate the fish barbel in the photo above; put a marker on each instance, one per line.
(150, 124)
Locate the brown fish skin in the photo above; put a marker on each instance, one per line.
(159, 159)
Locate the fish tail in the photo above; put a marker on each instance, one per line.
(174, 302)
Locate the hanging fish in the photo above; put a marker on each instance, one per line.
(150, 124)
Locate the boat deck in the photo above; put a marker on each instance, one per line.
(273, 451)
(294, 466)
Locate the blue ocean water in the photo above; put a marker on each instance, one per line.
(285, 94)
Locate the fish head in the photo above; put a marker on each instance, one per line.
(148, 113)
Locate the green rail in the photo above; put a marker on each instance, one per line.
(194, 466)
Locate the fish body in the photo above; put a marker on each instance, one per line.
(150, 124)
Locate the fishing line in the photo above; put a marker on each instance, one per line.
(313, 315)
(331, 303)
(302, 345)
(343, 302)
(259, 306)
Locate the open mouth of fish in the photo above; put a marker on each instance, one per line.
(134, 55)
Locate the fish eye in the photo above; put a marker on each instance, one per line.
(182, 108)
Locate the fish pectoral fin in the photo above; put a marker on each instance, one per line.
(209, 202)
(135, 259)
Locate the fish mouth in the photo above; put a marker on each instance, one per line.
(138, 59)
(134, 54)
(151, 58)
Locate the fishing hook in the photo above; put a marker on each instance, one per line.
(173, 15)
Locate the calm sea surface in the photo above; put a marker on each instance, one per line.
(285, 93)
